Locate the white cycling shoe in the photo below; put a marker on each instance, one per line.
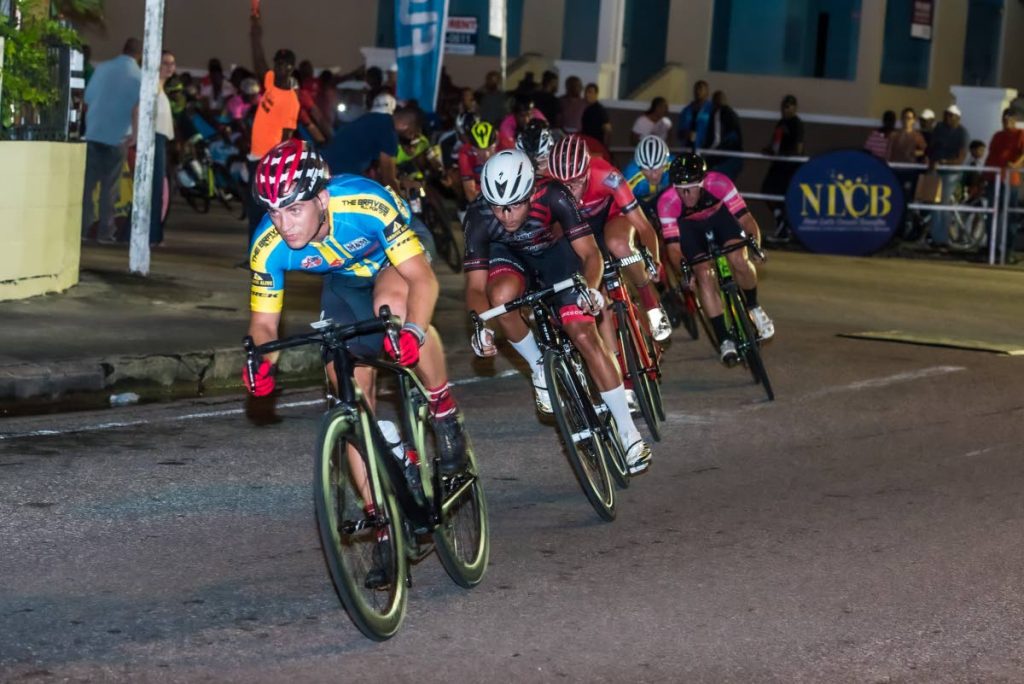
(765, 326)
(540, 394)
(730, 357)
(661, 327)
(638, 457)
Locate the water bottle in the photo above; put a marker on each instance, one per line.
(394, 440)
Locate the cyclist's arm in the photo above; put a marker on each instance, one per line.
(476, 291)
(593, 262)
(263, 328)
(470, 189)
(644, 229)
(423, 288)
(749, 225)
(259, 60)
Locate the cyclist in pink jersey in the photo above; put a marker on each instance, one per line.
(700, 202)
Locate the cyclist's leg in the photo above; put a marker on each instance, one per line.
(728, 232)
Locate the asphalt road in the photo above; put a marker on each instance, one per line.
(864, 527)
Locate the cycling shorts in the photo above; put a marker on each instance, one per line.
(345, 299)
(691, 233)
(536, 271)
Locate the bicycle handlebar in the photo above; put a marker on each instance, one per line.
(576, 282)
(641, 254)
(688, 264)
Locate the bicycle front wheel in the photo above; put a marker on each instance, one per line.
(578, 423)
(642, 384)
(749, 344)
(360, 527)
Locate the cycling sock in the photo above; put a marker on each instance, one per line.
(617, 404)
(718, 325)
(648, 297)
(528, 349)
(440, 402)
(751, 296)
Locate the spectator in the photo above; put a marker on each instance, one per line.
(787, 141)
(544, 97)
(391, 80)
(327, 99)
(927, 123)
(369, 145)
(1006, 151)
(595, 122)
(277, 116)
(467, 102)
(523, 112)
(907, 145)
(493, 103)
(695, 118)
(164, 127)
(112, 98)
(654, 121)
(571, 106)
(878, 139)
(214, 89)
(313, 123)
(724, 134)
(375, 83)
(948, 148)
(527, 85)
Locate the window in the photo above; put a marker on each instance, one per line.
(905, 59)
(982, 44)
(809, 38)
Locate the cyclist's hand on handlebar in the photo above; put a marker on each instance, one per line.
(408, 352)
(591, 301)
(482, 343)
(262, 382)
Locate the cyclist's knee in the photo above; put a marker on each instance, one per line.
(503, 289)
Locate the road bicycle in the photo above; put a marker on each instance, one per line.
(638, 353)
(584, 423)
(737, 313)
(377, 513)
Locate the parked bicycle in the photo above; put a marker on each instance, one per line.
(374, 508)
(201, 179)
(584, 423)
(737, 314)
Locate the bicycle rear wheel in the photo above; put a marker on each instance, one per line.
(748, 342)
(642, 384)
(363, 541)
(577, 421)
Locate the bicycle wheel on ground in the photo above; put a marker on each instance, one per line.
(577, 422)
(689, 314)
(363, 540)
(462, 537)
(749, 344)
(642, 385)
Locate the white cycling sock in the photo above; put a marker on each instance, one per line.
(616, 401)
(528, 349)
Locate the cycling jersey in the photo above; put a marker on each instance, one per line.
(550, 204)
(607, 195)
(716, 191)
(471, 163)
(369, 228)
(639, 184)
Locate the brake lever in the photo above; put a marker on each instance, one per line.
(389, 326)
(251, 359)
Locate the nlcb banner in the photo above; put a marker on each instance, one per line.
(419, 46)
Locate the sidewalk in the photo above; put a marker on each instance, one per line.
(177, 332)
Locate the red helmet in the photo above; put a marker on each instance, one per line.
(569, 158)
(291, 172)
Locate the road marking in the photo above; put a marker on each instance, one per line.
(202, 415)
(937, 341)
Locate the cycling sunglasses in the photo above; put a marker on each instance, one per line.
(507, 208)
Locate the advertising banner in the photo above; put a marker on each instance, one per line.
(845, 202)
(419, 36)
(460, 38)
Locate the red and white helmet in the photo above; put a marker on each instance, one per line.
(569, 158)
(291, 172)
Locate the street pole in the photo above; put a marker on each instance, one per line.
(504, 44)
(138, 257)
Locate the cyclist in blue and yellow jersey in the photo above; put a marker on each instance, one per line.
(355, 232)
(647, 174)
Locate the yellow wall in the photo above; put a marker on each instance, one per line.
(42, 209)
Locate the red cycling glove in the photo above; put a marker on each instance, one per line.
(263, 382)
(408, 353)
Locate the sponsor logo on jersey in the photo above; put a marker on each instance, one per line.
(395, 229)
(336, 263)
(311, 262)
(261, 279)
(356, 245)
(370, 205)
(613, 180)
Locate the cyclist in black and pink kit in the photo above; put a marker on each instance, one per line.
(522, 230)
(703, 201)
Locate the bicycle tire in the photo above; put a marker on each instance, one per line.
(348, 538)
(444, 242)
(654, 384)
(641, 383)
(615, 453)
(586, 455)
(689, 317)
(752, 352)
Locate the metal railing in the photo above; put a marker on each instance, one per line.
(999, 210)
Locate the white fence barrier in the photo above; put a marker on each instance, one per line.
(999, 210)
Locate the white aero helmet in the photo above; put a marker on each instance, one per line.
(651, 153)
(384, 103)
(507, 178)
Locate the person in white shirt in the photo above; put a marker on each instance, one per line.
(654, 121)
(164, 127)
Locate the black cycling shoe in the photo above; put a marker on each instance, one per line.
(380, 575)
(451, 443)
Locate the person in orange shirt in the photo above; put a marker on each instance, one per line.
(1006, 151)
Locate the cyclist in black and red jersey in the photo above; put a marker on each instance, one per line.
(483, 141)
(520, 230)
(614, 215)
(703, 201)
(536, 141)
